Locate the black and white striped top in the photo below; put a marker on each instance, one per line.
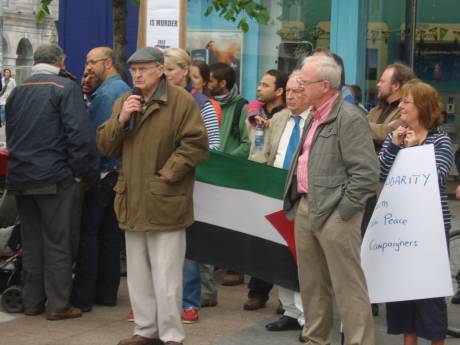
(444, 159)
(208, 113)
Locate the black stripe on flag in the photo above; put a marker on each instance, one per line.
(252, 255)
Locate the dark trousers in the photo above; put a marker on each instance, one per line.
(46, 234)
(259, 288)
(98, 265)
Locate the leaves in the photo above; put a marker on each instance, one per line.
(230, 10)
(43, 10)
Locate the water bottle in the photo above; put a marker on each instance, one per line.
(259, 137)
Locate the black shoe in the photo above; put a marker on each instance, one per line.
(285, 323)
(254, 304)
(456, 298)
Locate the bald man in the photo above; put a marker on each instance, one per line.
(98, 266)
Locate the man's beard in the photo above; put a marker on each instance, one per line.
(382, 97)
(217, 91)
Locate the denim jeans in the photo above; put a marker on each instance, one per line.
(192, 285)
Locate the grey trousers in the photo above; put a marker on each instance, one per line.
(47, 233)
(208, 283)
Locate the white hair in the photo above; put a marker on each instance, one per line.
(328, 69)
(295, 73)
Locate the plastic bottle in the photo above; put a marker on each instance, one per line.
(259, 140)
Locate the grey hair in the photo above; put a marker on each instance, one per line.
(48, 53)
(328, 69)
(295, 73)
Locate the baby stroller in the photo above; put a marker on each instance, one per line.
(10, 256)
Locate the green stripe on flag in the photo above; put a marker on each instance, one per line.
(224, 170)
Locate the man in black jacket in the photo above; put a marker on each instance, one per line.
(51, 146)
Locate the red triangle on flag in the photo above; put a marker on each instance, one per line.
(285, 227)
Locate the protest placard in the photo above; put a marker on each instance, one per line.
(404, 252)
(162, 23)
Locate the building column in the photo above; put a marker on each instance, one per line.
(349, 37)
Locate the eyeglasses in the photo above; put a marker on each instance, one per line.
(406, 101)
(93, 62)
(140, 70)
(296, 92)
(304, 83)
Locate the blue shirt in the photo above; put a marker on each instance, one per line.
(100, 110)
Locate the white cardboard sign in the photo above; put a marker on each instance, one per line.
(404, 252)
(163, 23)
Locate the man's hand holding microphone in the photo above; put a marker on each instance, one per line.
(131, 108)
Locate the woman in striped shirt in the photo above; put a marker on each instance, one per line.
(421, 108)
(177, 70)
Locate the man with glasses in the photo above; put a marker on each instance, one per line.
(332, 174)
(384, 118)
(282, 140)
(98, 266)
(154, 193)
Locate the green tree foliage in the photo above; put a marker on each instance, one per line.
(231, 10)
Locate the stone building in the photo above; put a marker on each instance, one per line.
(22, 34)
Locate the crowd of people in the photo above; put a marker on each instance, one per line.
(89, 160)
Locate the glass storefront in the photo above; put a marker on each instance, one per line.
(435, 48)
(299, 26)
(302, 25)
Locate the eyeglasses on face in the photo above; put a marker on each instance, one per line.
(406, 101)
(93, 62)
(141, 70)
(303, 82)
(295, 92)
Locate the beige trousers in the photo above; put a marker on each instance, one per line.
(329, 263)
(155, 262)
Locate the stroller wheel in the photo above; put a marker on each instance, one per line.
(12, 299)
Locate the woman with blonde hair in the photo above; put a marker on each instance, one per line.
(177, 70)
(421, 113)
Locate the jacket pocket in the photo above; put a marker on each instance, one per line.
(120, 203)
(326, 193)
(166, 203)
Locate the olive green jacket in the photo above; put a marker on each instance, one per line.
(169, 139)
(342, 167)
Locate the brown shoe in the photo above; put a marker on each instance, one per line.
(254, 304)
(140, 340)
(70, 313)
(232, 279)
(208, 302)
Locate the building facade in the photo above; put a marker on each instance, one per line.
(22, 34)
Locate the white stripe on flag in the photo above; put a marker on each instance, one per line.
(238, 210)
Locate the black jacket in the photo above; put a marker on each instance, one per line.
(48, 133)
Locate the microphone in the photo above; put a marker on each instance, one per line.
(132, 120)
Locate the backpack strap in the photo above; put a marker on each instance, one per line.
(235, 129)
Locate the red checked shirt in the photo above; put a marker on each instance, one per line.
(319, 115)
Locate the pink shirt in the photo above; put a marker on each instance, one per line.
(319, 115)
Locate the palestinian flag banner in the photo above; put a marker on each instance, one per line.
(240, 224)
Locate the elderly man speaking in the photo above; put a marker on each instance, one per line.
(332, 174)
(161, 138)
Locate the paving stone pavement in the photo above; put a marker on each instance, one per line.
(226, 324)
